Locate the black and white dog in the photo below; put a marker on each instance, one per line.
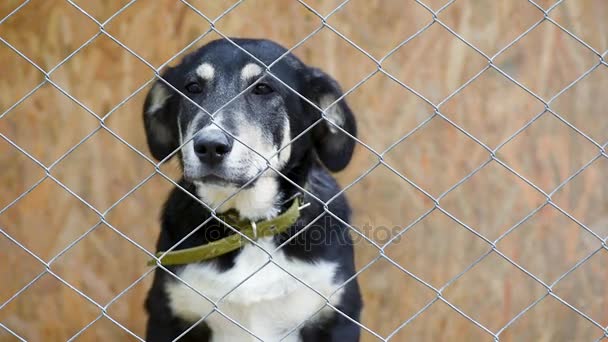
(269, 300)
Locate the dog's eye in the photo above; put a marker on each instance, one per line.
(194, 87)
(262, 89)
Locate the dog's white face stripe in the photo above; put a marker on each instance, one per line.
(285, 153)
(250, 71)
(206, 71)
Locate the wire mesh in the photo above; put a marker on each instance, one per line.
(492, 155)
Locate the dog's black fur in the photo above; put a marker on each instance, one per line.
(312, 155)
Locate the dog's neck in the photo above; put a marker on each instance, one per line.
(266, 198)
(261, 201)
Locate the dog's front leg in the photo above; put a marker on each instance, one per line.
(160, 326)
(338, 329)
(345, 330)
(159, 329)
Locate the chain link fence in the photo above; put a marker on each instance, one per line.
(516, 246)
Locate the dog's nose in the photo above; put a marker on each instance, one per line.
(212, 146)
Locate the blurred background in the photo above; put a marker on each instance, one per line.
(436, 157)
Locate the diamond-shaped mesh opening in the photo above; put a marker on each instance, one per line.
(394, 286)
(551, 319)
(586, 197)
(492, 201)
(212, 9)
(547, 152)
(322, 51)
(428, 249)
(584, 103)
(20, 172)
(5, 335)
(387, 111)
(431, 156)
(548, 244)
(8, 7)
(382, 19)
(142, 230)
(47, 219)
(106, 329)
(101, 245)
(101, 10)
(435, 52)
(586, 286)
(19, 77)
(49, 38)
(541, 52)
(122, 309)
(386, 221)
(43, 115)
(157, 43)
(48, 320)
(546, 4)
(502, 289)
(99, 154)
(503, 22)
(365, 250)
(324, 7)
(117, 74)
(436, 5)
(440, 322)
(260, 24)
(28, 270)
(582, 20)
(492, 108)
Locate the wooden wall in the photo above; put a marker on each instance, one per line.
(103, 169)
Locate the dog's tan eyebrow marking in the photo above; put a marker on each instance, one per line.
(205, 71)
(250, 71)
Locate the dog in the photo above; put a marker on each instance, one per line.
(252, 143)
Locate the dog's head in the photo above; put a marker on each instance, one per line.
(255, 116)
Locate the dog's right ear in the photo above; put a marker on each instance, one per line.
(334, 147)
(160, 118)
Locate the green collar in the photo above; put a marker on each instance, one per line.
(232, 242)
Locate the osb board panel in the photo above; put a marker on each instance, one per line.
(434, 64)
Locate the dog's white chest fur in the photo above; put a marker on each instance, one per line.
(256, 293)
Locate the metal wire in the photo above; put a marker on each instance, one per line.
(434, 20)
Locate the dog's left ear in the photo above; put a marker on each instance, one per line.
(160, 118)
(334, 147)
